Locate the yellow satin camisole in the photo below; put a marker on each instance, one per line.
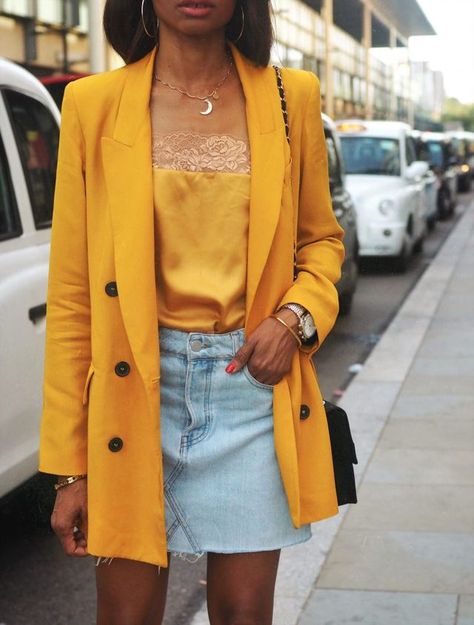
(201, 233)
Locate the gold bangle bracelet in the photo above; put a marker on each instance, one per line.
(297, 338)
(68, 480)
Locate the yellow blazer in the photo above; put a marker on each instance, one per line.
(101, 305)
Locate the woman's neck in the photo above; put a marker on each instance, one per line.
(192, 63)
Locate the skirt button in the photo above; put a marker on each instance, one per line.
(196, 346)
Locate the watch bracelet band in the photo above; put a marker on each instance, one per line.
(301, 312)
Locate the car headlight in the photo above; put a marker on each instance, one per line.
(386, 207)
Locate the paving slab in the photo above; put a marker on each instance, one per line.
(444, 367)
(421, 466)
(393, 357)
(461, 384)
(370, 397)
(407, 507)
(400, 561)
(427, 406)
(350, 607)
(446, 432)
(449, 338)
(466, 610)
(284, 610)
(300, 564)
(453, 307)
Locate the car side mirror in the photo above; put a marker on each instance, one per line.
(418, 169)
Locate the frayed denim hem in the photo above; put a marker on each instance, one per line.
(192, 558)
(101, 560)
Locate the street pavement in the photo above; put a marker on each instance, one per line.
(404, 555)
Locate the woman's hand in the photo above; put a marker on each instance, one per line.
(268, 351)
(70, 512)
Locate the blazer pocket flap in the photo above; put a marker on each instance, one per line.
(85, 395)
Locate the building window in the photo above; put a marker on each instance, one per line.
(22, 8)
(294, 58)
(37, 135)
(50, 11)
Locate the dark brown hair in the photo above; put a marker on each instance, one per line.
(124, 29)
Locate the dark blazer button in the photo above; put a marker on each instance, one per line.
(111, 289)
(122, 368)
(304, 412)
(115, 444)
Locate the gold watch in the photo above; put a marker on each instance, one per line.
(306, 328)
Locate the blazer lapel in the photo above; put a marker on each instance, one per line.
(128, 172)
(268, 151)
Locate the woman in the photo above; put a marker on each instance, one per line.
(177, 205)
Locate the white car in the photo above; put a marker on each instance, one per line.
(388, 186)
(29, 130)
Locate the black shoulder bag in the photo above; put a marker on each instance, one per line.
(342, 445)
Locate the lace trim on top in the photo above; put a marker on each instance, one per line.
(192, 151)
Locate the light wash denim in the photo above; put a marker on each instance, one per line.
(223, 488)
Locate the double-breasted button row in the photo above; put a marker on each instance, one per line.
(115, 444)
(122, 368)
(111, 289)
(304, 412)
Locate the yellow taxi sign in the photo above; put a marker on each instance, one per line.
(351, 127)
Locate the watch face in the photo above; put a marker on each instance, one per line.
(308, 326)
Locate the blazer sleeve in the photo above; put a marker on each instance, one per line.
(320, 251)
(63, 440)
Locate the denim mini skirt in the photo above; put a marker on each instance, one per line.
(223, 488)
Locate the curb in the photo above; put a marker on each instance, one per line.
(368, 400)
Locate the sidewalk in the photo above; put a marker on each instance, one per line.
(404, 555)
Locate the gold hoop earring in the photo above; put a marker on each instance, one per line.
(243, 25)
(143, 21)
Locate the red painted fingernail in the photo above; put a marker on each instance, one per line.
(230, 368)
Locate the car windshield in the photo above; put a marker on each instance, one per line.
(435, 153)
(371, 155)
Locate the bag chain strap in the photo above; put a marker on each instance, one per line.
(284, 108)
(284, 112)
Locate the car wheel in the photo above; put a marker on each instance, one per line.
(444, 204)
(400, 262)
(345, 303)
(418, 247)
(464, 184)
(431, 223)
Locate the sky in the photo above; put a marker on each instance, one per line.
(452, 50)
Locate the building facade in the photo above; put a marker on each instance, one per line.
(358, 48)
(45, 35)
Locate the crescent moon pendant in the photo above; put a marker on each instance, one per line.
(209, 109)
